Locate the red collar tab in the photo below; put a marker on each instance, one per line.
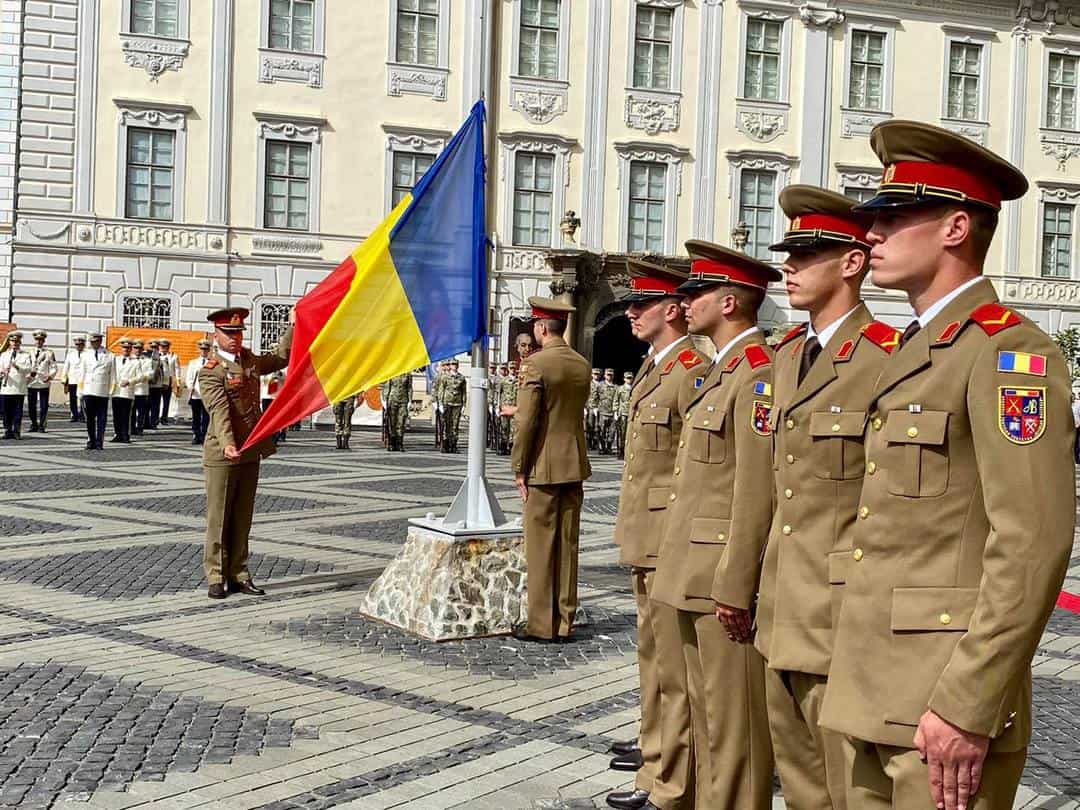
(757, 355)
(994, 318)
(939, 180)
(790, 336)
(843, 354)
(827, 226)
(689, 358)
(651, 285)
(670, 365)
(721, 273)
(548, 314)
(734, 361)
(948, 334)
(882, 335)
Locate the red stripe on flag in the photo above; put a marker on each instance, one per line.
(1069, 601)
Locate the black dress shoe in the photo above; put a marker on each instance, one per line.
(629, 800)
(624, 747)
(89, 445)
(194, 439)
(216, 591)
(628, 762)
(115, 439)
(247, 586)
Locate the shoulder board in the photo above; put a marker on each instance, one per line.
(689, 358)
(211, 363)
(794, 333)
(757, 356)
(669, 365)
(882, 335)
(994, 318)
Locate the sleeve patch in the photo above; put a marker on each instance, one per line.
(763, 389)
(882, 335)
(1022, 414)
(689, 358)
(759, 419)
(757, 356)
(1022, 363)
(994, 318)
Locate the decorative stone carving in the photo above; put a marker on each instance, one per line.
(670, 154)
(413, 142)
(517, 260)
(652, 111)
(40, 230)
(974, 130)
(857, 177)
(284, 129)
(416, 80)
(1042, 291)
(564, 286)
(761, 120)
(148, 236)
(128, 116)
(819, 15)
(279, 67)
(268, 244)
(556, 145)
(1060, 147)
(154, 55)
(859, 123)
(217, 243)
(540, 101)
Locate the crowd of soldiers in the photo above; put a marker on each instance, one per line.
(606, 412)
(448, 400)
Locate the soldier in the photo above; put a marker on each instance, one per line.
(592, 409)
(605, 406)
(140, 386)
(156, 384)
(453, 402)
(718, 522)
(15, 370)
(269, 385)
(506, 400)
(229, 385)
(396, 399)
(493, 407)
(824, 375)
(550, 462)
(437, 403)
(343, 414)
(42, 371)
(622, 412)
(71, 377)
(170, 369)
(200, 418)
(98, 375)
(968, 507)
(665, 778)
(127, 373)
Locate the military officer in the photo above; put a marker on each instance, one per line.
(822, 381)
(605, 406)
(592, 410)
(140, 387)
(170, 370)
(71, 377)
(98, 375)
(719, 513)
(453, 402)
(343, 414)
(550, 462)
(622, 412)
(655, 312)
(200, 418)
(229, 385)
(127, 373)
(396, 398)
(15, 369)
(156, 384)
(42, 371)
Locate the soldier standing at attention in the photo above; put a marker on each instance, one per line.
(592, 410)
(343, 414)
(144, 365)
(550, 462)
(71, 377)
(98, 374)
(493, 408)
(506, 398)
(665, 779)
(42, 371)
(622, 412)
(126, 373)
(605, 403)
(170, 369)
(156, 384)
(822, 382)
(16, 366)
(719, 512)
(966, 525)
(453, 401)
(437, 404)
(200, 419)
(229, 385)
(398, 395)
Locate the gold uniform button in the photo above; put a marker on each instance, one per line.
(864, 512)
(721, 536)
(788, 494)
(835, 428)
(631, 456)
(710, 409)
(682, 443)
(786, 530)
(871, 468)
(672, 496)
(912, 431)
(705, 422)
(945, 618)
(652, 404)
(790, 459)
(790, 424)
(635, 435)
(857, 554)
(678, 470)
(877, 423)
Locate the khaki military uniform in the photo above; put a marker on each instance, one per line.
(818, 466)
(719, 512)
(453, 400)
(397, 394)
(622, 415)
(966, 525)
(230, 393)
(656, 423)
(550, 450)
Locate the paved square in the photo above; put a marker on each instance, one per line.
(122, 685)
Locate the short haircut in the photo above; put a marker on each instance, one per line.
(747, 299)
(555, 327)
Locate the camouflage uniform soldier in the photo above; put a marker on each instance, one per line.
(592, 409)
(396, 398)
(343, 413)
(437, 407)
(622, 412)
(493, 407)
(605, 405)
(453, 395)
(508, 387)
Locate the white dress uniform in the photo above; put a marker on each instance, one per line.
(170, 369)
(71, 376)
(14, 378)
(127, 372)
(98, 381)
(42, 371)
(200, 418)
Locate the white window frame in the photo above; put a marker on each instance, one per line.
(770, 13)
(127, 292)
(540, 100)
(510, 143)
(286, 65)
(296, 129)
(1063, 46)
(1057, 193)
(408, 139)
(871, 25)
(156, 54)
(563, 61)
(152, 115)
(534, 156)
(659, 110)
(753, 159)
(962, 35)
(421, 80)
(649, 152)
(256, 310)
(183, 18)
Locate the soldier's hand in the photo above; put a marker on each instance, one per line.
(955, 760)
(507, 410)
(292, 315)
(231, 453)
(736, 622)
(523, 488)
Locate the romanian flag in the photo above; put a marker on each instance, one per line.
(1022, 363)
(413, 293)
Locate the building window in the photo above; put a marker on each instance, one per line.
(1057, 240)
(757, 202)
(762, 70)
(1061, 91)
(158, 17)
(859, 193)
(409, 167)
(866, 88)
(965, 68)
(288, 175)
(538, 48)
(418, 32)
(292, 25)
(273, 321)
(533, 191)
(150, 157)
(653, 29)
(648, 196)
(146, 312)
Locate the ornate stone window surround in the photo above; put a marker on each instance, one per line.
(421, 80)
(280, 65)
(857, 123)
(152, 115)
(979, 129)
(742, 159)
(155, 54)
(761, 119)
(540, 100)
(848, 176)
(650, 152)
(648, 109)
(408, 139)
(1060, 193)
(127, 292)
(296, 129)
(257, 321)
(510, 143)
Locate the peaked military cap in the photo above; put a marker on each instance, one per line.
(138, 344)
(96, 336)
(230, 319)
(79, 339)
(40, 333)
(821, 219)
(124, 341)
(15, 333)
(928, 165)
(204, 344)
(712, 265)
(550, 309)
(164, 342)
(649, 282)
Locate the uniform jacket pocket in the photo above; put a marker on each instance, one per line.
(918, 463)
(932, 609)
(708, 539)
(838, 444)
(658, 497)
(655, 427)
(707, 440)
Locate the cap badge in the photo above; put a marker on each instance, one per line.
(890, 173)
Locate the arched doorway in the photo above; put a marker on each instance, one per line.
(614, 345)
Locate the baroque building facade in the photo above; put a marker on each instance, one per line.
(175, 157)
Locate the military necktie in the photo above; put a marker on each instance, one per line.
(912, 330)
(810, 352)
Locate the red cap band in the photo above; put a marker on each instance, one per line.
(709, 270)
(652, 284)
(941, 177)
(548, 314)
(827, 224)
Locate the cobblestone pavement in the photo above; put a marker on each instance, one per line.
(122, 685)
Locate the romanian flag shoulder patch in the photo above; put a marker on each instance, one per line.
(1022, 363)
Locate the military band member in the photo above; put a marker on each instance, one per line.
(15, 369)
(200, 419)
(127, 373)
(622, 412)
(229, 385)
(453, 402)
(98, 374)
(655, 312)
(822, 382)
(43, 369)
(550, 462)
(966, 524)
(343, 414)
(71, 377)
(396, 398)
(719, 513)
(170, 369)
(141, 377)
(156, 384)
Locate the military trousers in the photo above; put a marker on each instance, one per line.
(396, 414)
(74, 402)
(726, 683)
(886, 777)
(12, 406)
(153, 413)
(140, 414)
(39, 406)
(200, 419)
(166, 403)
(97, 414)
(121, 418)
(552, 522)
(343, 414)
(809, 758)
(452, 415)
(230, 505)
